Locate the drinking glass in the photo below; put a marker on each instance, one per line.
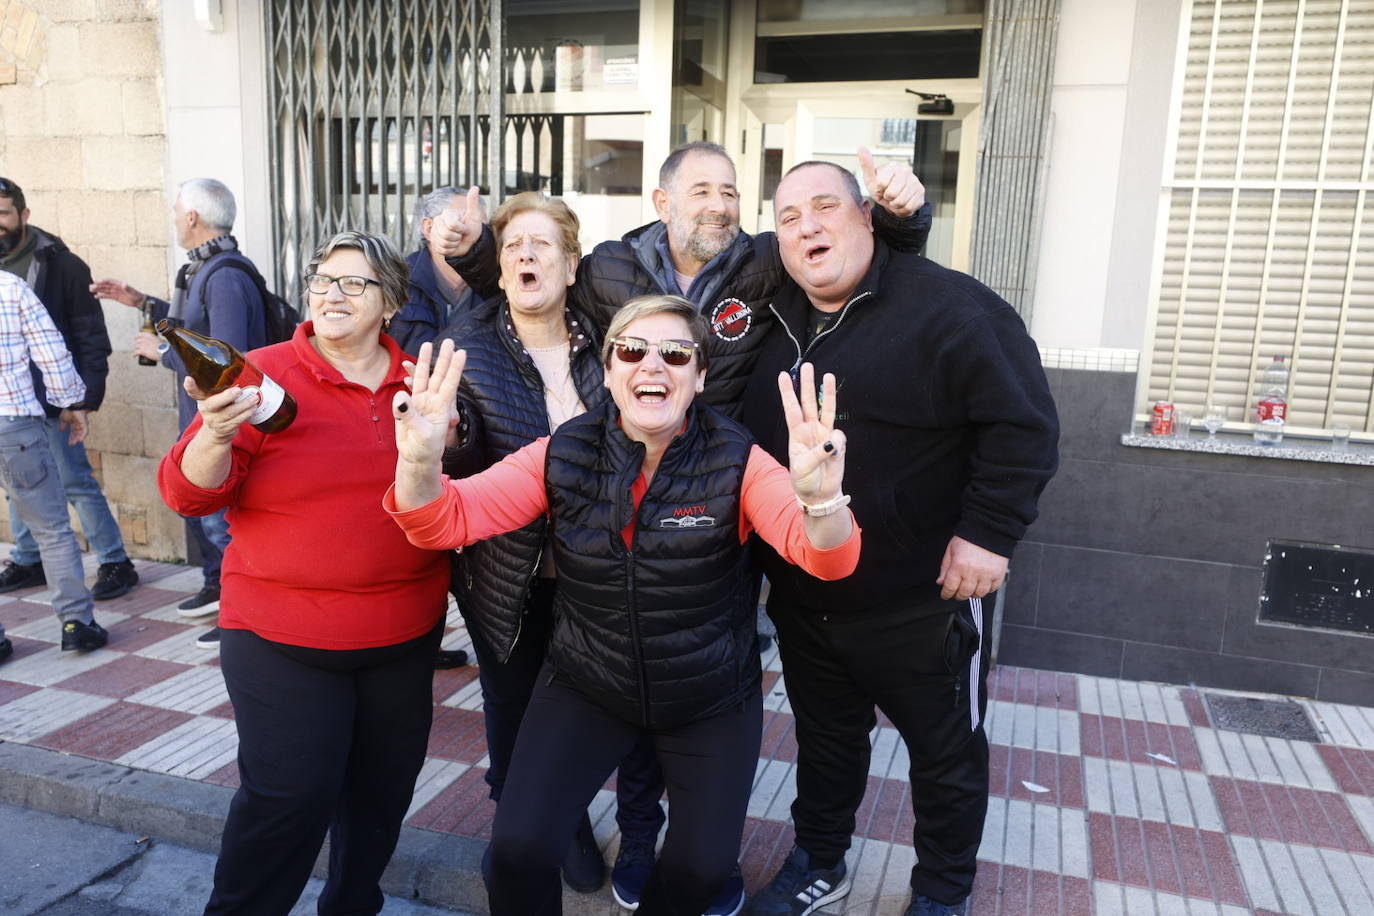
(1340, 437)
(1214, 419)
(1183, 422)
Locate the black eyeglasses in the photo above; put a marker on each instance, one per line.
(349, 286)
(674, 352)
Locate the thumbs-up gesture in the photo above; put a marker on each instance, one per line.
(893, 186)
(458, 226)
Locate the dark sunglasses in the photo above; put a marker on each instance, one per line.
(674, 352)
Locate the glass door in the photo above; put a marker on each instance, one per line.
(781, 133)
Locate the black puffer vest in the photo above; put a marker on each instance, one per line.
(502, 396)
(662, 634)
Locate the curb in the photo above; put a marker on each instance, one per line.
(438, 869)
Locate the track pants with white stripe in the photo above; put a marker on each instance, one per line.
(924, 665)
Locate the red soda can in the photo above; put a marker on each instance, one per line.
(1162, 422)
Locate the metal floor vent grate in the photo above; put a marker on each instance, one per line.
(1268, 718)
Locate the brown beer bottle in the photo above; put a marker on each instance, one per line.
(215, 366)
(147, 329)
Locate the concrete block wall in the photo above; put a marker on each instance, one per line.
(83, 131)
(1147, 564)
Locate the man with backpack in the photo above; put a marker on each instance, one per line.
(218, 293)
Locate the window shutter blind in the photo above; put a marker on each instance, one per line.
(1267, 248)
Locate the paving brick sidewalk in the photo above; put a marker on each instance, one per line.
(1108, 796)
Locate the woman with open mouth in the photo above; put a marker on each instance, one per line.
(653, 633)
(532, 364)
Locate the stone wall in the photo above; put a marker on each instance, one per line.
(82, 130)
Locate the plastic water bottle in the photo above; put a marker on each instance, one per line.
(1272, 410)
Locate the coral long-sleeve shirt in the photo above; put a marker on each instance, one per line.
(511, 494)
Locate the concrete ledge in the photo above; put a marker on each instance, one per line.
(437, 868)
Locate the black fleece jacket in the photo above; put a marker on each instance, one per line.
(62, 282)
(949, 420)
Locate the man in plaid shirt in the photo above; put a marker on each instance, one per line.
(27, 468)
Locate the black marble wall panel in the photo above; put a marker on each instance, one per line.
(1146, 563)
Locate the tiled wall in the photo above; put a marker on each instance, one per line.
(1146, 564)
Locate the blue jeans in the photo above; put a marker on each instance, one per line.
(78, 480)
(211, 533)
(30, 477)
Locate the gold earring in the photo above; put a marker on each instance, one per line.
(386, 323)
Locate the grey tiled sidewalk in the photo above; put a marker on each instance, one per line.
(1107, 796)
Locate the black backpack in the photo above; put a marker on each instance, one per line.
(279, 319)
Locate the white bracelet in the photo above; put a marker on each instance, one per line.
(829, 507)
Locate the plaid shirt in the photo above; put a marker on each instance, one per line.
(27, 332)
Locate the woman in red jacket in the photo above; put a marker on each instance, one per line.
(330, 619)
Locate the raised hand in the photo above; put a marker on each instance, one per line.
(893, 186)
(815, 448)
(425, 414)
(458, 226)
(118, 291)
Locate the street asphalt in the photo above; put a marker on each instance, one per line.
(51, 865)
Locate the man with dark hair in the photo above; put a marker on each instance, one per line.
(213, 297)
(437, 296)
(29, 337)
(61, 280)
(697, 250)
(953, 436)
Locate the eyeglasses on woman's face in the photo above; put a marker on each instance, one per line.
(350, 286)
(673, 352)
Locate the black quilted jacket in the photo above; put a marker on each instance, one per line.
(502, 399)
(661, 633)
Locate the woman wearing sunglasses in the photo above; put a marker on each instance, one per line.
(650, 500)
(330, 618)
(532, 364)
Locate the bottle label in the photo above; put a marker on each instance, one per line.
(1271, 410)
(269, 396)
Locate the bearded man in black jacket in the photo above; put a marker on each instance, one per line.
(954, 436)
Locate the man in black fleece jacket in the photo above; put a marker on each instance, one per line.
(955, 436)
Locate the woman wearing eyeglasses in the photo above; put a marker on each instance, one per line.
(532, 364)
(330, 619)
(650, 500)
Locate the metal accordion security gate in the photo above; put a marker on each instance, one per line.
(371, 104)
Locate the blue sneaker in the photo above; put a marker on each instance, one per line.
(798, 889)
(631, 871)
(730, 900)
(924, 906)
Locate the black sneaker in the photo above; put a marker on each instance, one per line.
(113, 580)
(6, 649)
(924, 906)
(21, 575)
(583, 868)
(450, 658)
(798, 889)
(209, 639)
(631, 871)
(202, 604)
(83, 637)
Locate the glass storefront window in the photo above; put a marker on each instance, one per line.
(951, 54)
(823, 10)
(572, 45)
(699, 52)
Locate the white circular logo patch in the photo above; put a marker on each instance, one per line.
(731, 319)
